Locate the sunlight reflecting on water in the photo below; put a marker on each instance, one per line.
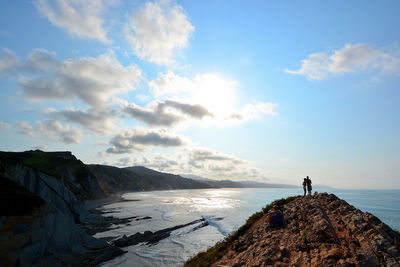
(202, 204)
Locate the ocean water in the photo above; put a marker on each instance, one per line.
(224, 209)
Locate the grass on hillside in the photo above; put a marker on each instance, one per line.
(216, 252)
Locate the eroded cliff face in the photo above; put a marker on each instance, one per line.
(45, 234)
(321, 230)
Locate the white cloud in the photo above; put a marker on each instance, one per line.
(92, 80)
(25, 128)
(197, 161)
(83, 18)
(157, 31)
(140, 139)
(168, 113)
(4, 126)
(216, 165)
(158, 162)
(251, 112)
(96, 120)
(170, 84)
(199, 156)
(8, 61)
(350, 59)
(52, 131)
(212, 92)
(209, 90)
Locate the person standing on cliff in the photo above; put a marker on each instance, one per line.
(309, 187)
(305, 186)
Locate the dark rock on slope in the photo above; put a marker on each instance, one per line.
(321, 230)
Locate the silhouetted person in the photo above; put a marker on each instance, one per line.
(309, 187)
(305, 186)
(274, 216)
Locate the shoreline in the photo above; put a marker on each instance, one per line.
(96, 203)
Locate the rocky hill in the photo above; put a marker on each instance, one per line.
(321, 230)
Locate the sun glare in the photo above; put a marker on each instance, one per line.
(215, 93)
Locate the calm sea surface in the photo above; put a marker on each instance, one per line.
(224, 209)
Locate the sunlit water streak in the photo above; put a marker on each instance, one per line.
(224, 209)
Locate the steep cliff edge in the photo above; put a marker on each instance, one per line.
(321, 230)
(70, 171)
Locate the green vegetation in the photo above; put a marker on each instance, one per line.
(50, 163)
(47, 162)
(397, 231)
(216, 252)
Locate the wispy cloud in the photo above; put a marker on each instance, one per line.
(83, 18)
(157, 31)
(252, 111)
(92, 80)
(352, 58)
(140, 139)
(52, 131)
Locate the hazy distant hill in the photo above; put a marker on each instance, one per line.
(113, 179)
(238, 184)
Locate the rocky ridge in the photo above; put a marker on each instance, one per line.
(321, 230)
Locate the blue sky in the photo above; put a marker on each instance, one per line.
(262, 90)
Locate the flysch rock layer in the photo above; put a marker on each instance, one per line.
(48, 236)
(319, 230)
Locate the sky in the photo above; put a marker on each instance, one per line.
(269, 91)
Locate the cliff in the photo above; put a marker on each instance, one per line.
(38, 221)
(321, 230)
(71, 172)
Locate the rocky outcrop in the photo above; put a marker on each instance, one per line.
(321, 230)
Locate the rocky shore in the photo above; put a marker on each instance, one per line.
(321, 230)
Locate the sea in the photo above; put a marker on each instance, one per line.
(225, 210)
